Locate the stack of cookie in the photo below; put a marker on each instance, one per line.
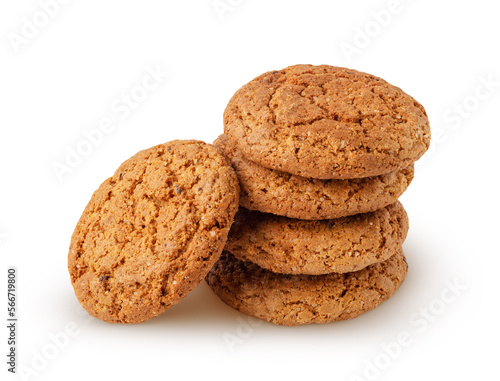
(322, 155)
(314, 157)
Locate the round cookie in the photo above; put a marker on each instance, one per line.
(303, 299)
(290, 246)
(152, 231)
(281, 193)
(326, 122)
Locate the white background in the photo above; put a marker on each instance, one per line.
(70, 73)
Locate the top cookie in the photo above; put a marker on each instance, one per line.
(152, 232)
(326, 122)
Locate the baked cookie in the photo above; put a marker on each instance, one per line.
(303, 299)
(276, 192)
(291, 246)
(326, 122)
(152, 232)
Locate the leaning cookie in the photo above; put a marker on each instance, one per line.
(326, 122)
(290, 246)
(281, 193)
(303, 299)
(152, 231)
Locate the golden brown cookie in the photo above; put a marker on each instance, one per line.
(303, 299)
(281, 193)
(151, 232)
(326, 122)
(291, 246)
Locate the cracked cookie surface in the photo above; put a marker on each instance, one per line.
(290, 246)
(284, 194)
(326, 122)
(152, 231)
(303, 299)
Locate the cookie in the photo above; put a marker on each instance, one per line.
(281, 193)
(326, 122)
(291, 246)
(152, 231)
(303, 299)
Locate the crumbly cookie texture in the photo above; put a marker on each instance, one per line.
(152, 231)
(303, 299)
(326, 122)
(291, 246)
(277, 192)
